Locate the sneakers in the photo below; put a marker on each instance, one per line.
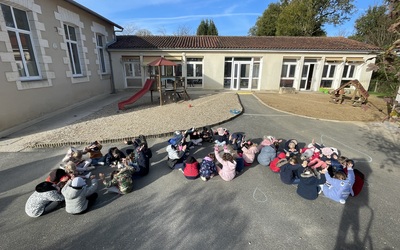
(90, 168)
(203, 178)
(342, 201)
(100, 163)
(87, 176)
(62, 166)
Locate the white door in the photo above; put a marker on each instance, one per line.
(241, 76)
(307, 76)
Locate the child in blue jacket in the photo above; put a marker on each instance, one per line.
(340, 186)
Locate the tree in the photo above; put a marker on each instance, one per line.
(372, 27)
(207, 27)
(183, 30)
(133, 29)
(130, 29)
(202, 29)
(302, 17)
(266, 24)
(143, 32)
(298, 19)
(387, 65)
(212, 29)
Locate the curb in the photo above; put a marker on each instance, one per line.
(115, 140)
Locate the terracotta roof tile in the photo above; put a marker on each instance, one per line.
(241, 42)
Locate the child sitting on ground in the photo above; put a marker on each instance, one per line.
(207, 134)
(291, 149)
(228, 170)
(76, 156)
(290, 171)
(268, 152)
(339, 187)
(249, 150)
(191, 169)
(195, 137)
(120, 180)
(207, 167)
(95, 154)
(309, 185)
(114, 156)
(143, 160)
(222, 137)
(176, 156)
(236, 139)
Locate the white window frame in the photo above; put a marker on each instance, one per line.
(75, 61)
(195, 76)
(100, 46)
(348, 76)
(328, 72)
(23, 63)
(285, 76)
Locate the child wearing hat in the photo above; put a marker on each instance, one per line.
(309, 185)
(78, 196)
(291, 148)
(268, 150)
(45, 199)
(222, 137)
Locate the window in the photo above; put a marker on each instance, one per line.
(288, 72)
(100, 50)
(327, 75)
(133, 73)
(194, 72)
(72, 46)
(348, 73)
(21, 42)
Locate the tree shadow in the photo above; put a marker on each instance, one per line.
(173, 221)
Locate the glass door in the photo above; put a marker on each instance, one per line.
(307, 76)
(241, 76)
(133, 77)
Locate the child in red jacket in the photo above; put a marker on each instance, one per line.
(191, 169)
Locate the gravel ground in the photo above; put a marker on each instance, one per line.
(110, 125)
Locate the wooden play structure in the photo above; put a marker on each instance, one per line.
(171, 89)
(175, 90)
(359, 95)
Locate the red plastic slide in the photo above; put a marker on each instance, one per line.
(136, 96)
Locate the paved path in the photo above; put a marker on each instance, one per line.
(254, 211)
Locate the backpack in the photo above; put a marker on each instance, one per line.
(359, 181)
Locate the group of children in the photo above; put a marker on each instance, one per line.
(314, 168)
(67, 185)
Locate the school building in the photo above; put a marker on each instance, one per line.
(56, 54)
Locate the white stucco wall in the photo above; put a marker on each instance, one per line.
(25, 101)
(271, 66)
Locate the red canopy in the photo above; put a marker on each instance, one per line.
(162, 62)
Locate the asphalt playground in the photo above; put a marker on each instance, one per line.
(254, 211)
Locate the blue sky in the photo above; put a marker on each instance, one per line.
(231, 17)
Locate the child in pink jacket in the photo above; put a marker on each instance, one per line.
(249, 150)
(228, 170)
